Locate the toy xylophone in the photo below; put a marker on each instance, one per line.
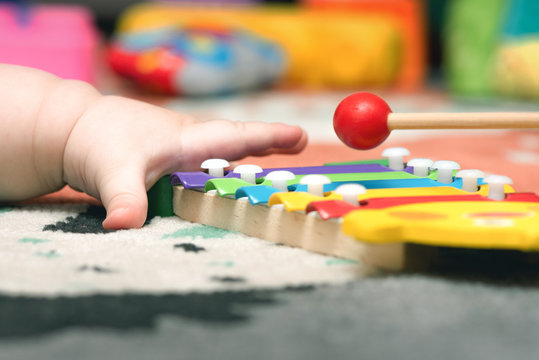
(376, 211)
(386, 212)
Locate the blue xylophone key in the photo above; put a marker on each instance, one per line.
(390, 184)
(259, 194)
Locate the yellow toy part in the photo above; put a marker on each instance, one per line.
(298, 201)
(481, 224)
(426, 191)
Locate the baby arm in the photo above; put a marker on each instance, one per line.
(37, 112)
(63, 131)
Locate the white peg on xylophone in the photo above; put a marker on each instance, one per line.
(279, 178)
(421, 166)
(395, 157)
(248, 172)
(469, 179)
(445, 170)
(315, 183)
(496, 186)
(350, 192)
(215, 167)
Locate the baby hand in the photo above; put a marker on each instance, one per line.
(120, 147)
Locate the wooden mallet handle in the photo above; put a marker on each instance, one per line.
(479, 120)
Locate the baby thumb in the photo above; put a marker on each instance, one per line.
(124, 198)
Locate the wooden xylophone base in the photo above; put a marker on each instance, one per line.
(326, 237)
(295, 229)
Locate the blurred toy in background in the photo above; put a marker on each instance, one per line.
(496, 52)
(405, 17)
(205, 60)
(326, 44)
(60, 39)
(516, 70)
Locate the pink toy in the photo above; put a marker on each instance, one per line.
(58, 39)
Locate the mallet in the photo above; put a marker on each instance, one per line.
(363, 120)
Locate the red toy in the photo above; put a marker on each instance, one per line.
(363, 120)
(360, 120)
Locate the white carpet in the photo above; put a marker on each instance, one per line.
(168, 255)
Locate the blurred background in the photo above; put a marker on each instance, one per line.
(473, 47)
(293, 61)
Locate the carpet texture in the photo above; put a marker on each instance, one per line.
(174, 289)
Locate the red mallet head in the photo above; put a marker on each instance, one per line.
(360, 120)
